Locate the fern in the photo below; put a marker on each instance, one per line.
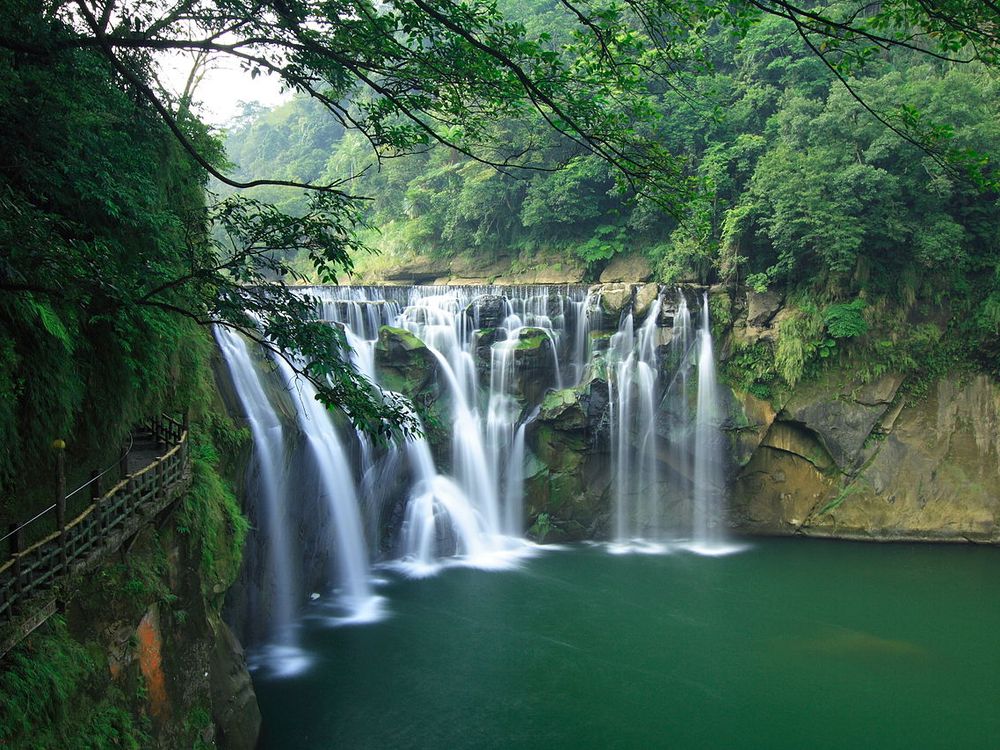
(845, 321)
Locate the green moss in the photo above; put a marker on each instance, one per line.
(720, 308)
(408, 341)
(841, 496)
(56, 694)
(557, 400)
(531, 338)
(751, 369)
(210, 513)
(540, 528)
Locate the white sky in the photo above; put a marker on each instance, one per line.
(220, 95)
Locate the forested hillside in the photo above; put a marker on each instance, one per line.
(96, 198)
(799, 188)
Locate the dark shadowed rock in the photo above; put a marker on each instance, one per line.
(487, 311)
(234, 703)
(762, 307)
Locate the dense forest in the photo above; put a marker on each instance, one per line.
(801, 184)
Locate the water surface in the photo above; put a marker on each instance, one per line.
(791, 644)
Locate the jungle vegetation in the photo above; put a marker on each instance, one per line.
(835, 149)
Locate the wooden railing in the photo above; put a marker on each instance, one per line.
(100, 528)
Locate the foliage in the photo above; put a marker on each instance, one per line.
(798, 340)
(846, 320)
(56, 693)
(541, 527)
(751, 369)
(562, 125)
(93, 201)
(211, 513)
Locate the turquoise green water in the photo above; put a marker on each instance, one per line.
(791, 644)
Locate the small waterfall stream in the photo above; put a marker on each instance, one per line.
(336, 484)
(496, 353)
(277, 582)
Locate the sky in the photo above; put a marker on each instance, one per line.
(224, 88)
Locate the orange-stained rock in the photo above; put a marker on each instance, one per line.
(151, 663)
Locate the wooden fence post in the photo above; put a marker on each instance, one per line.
(123, 461)
(15, 552)
(60, 448)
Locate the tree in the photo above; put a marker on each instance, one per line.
(406, 74)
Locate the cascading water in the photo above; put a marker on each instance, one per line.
(497, 352)
(708, 536)
(477, 512)
(677, 410)
(336, 483)
(268, 467)
(635, 389)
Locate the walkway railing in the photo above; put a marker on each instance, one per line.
(100, 528)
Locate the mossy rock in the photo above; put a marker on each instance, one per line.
(405, 365)
(532, 338)
(563, 410)
(391, 339)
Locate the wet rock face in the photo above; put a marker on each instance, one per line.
(487, 311)
(568, 472)
(234, 703)
(406, 365)
(869, 465)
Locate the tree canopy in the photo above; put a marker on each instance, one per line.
(606, 101)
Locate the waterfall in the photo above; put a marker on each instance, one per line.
(495, 352)
(676, 406)
(475, 512)
(708, 536)
(487, 447)
(268, 469)
(635, 395)
(440, 520)
(336, 483)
